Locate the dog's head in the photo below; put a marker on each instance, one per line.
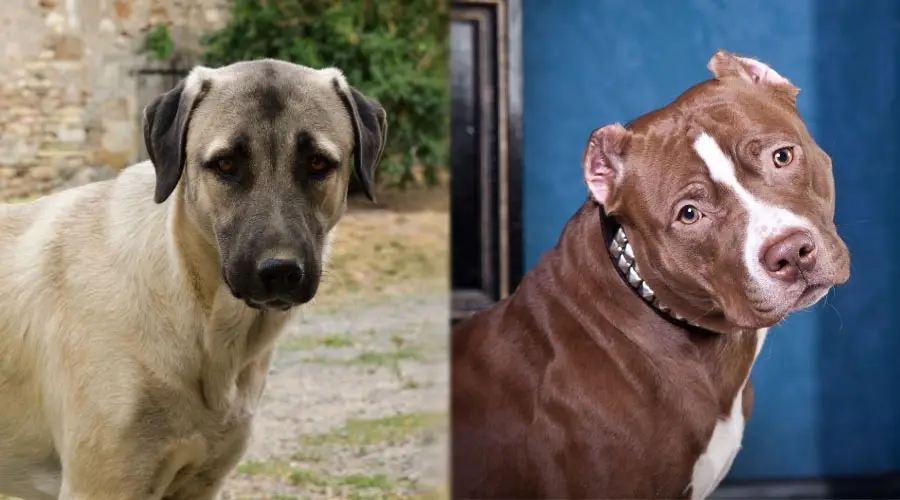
(726, 198)
(261, 154)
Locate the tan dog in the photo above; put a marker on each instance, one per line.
(138, 315)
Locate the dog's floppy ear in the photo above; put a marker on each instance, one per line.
(602, 162)
(166, 121)
(369, 132)
(724, 64)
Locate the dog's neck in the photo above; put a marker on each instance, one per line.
(621, 252)
(575, 268)
(237, 340)
(197, 256)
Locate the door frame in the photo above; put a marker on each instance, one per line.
(486, 172)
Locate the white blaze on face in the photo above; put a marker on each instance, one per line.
(764, 221)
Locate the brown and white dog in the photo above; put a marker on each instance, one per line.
(619, 367)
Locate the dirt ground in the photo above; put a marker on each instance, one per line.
(356, 402)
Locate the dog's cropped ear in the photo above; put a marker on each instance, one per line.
(724, 64)
(166, 121)
(602, 161)
(370, 128)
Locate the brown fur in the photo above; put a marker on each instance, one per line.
(574, 387)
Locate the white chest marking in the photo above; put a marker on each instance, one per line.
(764, 221)
(714, 464)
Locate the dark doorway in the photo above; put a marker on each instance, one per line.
(486, 153)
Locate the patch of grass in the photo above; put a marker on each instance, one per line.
(378, 486)
(269, 468)
(307, 456)
(336, 341)
(310, 342)
(392, 429)
(387, 358)
(373, 360)
(390, 358)
(352, 486)
(379, 481)
(305, 478)
(288, 472)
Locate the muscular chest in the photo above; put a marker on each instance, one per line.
(656, 439)
(724, 443)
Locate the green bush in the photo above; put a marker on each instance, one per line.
(158, 44)
(392, 50)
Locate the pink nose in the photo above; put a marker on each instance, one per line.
(786, 258)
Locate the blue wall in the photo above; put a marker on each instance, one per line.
(828, 380)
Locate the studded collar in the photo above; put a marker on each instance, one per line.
(622, 254)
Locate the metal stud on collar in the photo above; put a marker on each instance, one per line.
(623, 255)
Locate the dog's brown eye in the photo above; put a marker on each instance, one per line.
(226, 166)
(689, 214)
(318, 163)
(783, 157)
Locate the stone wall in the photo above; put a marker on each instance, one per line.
(74, 84)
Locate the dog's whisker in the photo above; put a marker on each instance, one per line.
(703, 315)
(329, 277)
(850, 223)
(840, 318)
(825, 303)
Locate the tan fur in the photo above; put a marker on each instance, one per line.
(128, 370)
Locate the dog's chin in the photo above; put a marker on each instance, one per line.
(278, 304)
(802, 296)
(270, 304)
(810, 295)
(779, 307)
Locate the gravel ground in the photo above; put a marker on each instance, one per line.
(355, 406)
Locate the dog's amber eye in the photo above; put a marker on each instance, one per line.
(226, 166)
(783, 157)
(318, 164)
(689, 214)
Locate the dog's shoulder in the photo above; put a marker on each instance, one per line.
(137, 174)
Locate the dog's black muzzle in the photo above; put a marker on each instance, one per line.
(274, 283)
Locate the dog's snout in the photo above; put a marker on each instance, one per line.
(280, 276)
(790, 256)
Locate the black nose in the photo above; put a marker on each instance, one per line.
(280, 276)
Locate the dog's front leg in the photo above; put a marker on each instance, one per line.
(149, 472)
(203, 487)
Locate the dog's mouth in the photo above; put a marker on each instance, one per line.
(279, 302)
(768, 314)
(811, 294)
(271, 305)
